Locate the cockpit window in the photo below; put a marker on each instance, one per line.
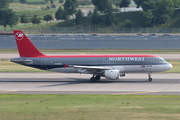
(161, 60)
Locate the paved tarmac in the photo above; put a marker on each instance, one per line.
(56, 83)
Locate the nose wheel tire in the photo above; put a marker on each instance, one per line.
(149, 75)
(150, 79)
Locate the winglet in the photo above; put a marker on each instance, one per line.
(25, 46)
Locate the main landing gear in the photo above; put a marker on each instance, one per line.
(149, 75)
(95, 78)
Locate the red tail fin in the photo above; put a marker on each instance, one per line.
(25, 46)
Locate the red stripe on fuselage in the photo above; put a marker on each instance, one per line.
(86, 56)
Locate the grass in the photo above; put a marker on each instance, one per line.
(38, 4)
(39, 13)
(34, 29)
(100, 51)
(7, 66)
(89, 107)
(33, 5)
(176, 67)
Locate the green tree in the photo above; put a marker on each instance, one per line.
(148, 5)
(1, 17)
(125, 3)
(61, 1)
(139, 2)
(70, 7)
(102, 5)
(52, 2)
(48, 7)
(46, 1)
(48, 18)
(22, 1)
(146, 18)
(164, 19)
(4, 4)
(109, 16)
(95, 16)
(65, 15)
(165, 7)
(59, 14)
(8, 17)
(79, 16)
(175, 23)
(75, 2)
(176, 3)
(24, 19)
(95, 2)
(89, 14)
(117, 4)
(13, 20)
(127, 24)
(35, 20)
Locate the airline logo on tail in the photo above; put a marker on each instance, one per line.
(19, 36)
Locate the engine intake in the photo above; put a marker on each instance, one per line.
(112, 74)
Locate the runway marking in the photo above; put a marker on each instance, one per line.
(8, 91)
(134, 93)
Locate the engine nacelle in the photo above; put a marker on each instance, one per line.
(112, 74)
(122, 74)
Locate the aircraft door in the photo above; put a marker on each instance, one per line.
(43, 62)
(149, 62)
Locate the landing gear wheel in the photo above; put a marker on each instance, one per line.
(149, 75)
(98, 77)
(93, 79)
(150, 79)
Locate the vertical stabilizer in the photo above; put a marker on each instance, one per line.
(25, 46)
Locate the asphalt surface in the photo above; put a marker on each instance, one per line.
(55, 83)
(97, 42)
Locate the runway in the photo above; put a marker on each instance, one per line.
(55, 83)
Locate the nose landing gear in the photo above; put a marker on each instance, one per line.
(149, 75)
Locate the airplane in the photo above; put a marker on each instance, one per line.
(109, 66)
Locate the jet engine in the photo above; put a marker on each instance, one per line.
(112, 74)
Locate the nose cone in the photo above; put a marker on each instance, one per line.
(169, 66)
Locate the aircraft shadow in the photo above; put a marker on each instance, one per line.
(74, 81)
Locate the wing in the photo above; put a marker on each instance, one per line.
(90, 69)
